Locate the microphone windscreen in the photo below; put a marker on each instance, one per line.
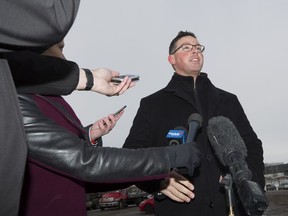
(225, 138)
(195, 117)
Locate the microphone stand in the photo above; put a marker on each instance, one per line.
(227, 183)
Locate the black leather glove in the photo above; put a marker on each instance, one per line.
(185, 158)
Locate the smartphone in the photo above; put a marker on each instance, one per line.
(120, 78)
(116, 113)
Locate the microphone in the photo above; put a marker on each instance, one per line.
(195, 123)
(177, 136)
(230, 148)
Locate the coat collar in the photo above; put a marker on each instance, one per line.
(183, 87)
(180, 83)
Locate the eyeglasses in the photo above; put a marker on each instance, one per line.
(189, 47)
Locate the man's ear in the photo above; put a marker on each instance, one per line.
(171, 59)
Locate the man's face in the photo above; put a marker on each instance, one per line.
(187, 63)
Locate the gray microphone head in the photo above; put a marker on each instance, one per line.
(195, 117)
(225, 138)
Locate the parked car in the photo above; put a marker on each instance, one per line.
(122, 198)
(135, 195)
(92, 200)
(270, 187)
(113, 199)
(147, 206)
(283, 186)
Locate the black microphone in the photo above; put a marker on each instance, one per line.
(177, 136)
(231, 151)
(195, 123)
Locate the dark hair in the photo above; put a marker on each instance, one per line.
(180, 35)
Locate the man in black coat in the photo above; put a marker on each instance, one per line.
(190, 91)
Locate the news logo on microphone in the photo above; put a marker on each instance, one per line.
(177, 136)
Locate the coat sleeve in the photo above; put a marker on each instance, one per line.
(253, 144)
(140, 137)
(38, 74)
(55, 148)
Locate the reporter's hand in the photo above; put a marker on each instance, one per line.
(177, 188)
(104, 126)
(102, 82)
(185, 157)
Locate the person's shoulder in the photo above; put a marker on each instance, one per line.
(227, 96)
(155, 96)
(225, 92)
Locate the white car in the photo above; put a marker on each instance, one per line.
(283, 186)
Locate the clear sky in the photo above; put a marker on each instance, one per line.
(246, 54)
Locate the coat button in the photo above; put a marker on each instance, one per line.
(208, 157)
(211, 204)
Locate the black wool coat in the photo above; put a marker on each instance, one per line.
(171, 107)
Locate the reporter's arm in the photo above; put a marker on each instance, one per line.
(38, 74)
(54, 147)
(35, 73)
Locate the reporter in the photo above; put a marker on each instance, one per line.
(22, 34)
(27, 28)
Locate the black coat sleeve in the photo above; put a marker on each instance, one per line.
(253, 144)
(140, 137)
(35, 73)
(55, 148)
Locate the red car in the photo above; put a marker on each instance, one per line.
(113, 199)
(147, 206)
